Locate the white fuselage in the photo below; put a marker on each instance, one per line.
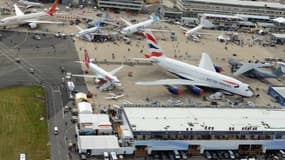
(213, 79)
(88, 31)
(137, 27)
(103, 74)
(22, 19)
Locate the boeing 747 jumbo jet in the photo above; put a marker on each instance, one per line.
(139, 27)
(203, 75)
(31, 19)
(103, 78)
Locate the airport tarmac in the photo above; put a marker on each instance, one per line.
(181, 49)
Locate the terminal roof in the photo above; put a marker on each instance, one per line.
(201, 119)
(244, 3)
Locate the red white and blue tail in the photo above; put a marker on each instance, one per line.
(154, 49)
(86, 59)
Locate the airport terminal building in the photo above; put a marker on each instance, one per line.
(135, 5)
(248, 130)
(230, 7)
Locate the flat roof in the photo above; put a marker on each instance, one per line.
(252, 16)
(179, 119)
(244, 3)
(98, 142)
(280, 90)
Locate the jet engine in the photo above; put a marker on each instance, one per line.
(174, 90)
(197, 91)
(32, 25)
(218, 68)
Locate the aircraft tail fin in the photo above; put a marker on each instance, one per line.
(52, 9)
(206, 23)
(154, 49)
(155, 19)
(280, 70)
(86, 59)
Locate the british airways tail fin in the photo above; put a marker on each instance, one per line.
(52, 9)
(86, 59)
(154, 49)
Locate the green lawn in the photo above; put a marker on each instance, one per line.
(21, 130)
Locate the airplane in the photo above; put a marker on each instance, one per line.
(256, 70)
(132, 28)
(30, 19)
(203, 75)
(194, 32)
(105, 79)
(104, 19)
(29, 4)
(88, 32)
(113, 96)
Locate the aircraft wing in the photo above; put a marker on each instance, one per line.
(127, 22)
(250, 66)
(78, 27)
(86, 76)
(44, 22)
(18, 11)
(206, 63)
(173, 82)
(114, 71)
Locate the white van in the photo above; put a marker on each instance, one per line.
(231, 153)
(176, 154)
(113, 156)
(106, 156)
(55, 130)
(282, 153)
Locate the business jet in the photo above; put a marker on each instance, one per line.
(31, 19)
(203, 75)
(139, 27)
(104, 79)
(29, 4)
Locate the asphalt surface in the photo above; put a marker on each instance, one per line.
(45, 56)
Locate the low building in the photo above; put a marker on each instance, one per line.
(230, 7)
(94, 124)
(198, 129)
(84, 108)
(278, 92)
(135, 5)
(97, 145)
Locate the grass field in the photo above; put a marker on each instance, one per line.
(21, 130)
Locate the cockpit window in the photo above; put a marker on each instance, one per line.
(237, 86)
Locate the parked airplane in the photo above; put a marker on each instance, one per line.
(256, 70)
(105, 79)
(194, 32)
(139, 27)
(104, 19)
(29, 4)
(30, 19)
(88, 32)
(204, 75)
